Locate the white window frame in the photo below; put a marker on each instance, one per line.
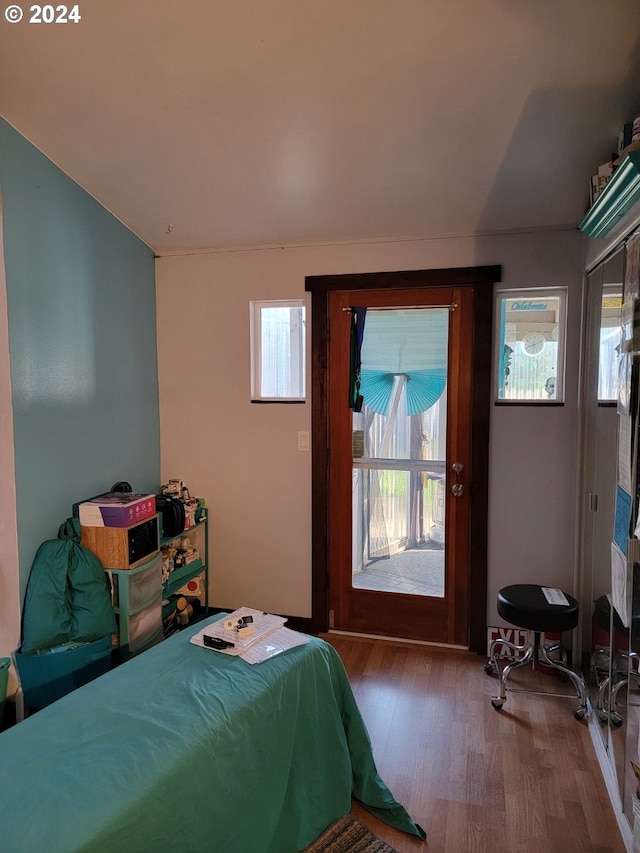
(612, 292)
(525, 294)
(297, 340)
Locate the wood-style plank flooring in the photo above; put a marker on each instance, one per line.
(521, 780)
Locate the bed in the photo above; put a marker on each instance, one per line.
(187, 749)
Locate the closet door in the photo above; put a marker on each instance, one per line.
(625, 662)
(598, 479)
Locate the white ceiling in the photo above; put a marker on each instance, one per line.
(269, 122)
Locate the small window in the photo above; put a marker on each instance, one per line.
(609, 354)
(278, 347)
(530, 345)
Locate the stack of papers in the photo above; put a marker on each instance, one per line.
(269, 637)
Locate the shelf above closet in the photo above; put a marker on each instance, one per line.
(617, 198)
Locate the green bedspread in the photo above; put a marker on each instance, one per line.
(186, 749)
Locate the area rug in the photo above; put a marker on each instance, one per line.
(348, 835)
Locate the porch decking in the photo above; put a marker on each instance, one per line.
(419, 571)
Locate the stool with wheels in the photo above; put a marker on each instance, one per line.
(527, 606)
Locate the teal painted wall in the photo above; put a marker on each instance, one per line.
(82, 342)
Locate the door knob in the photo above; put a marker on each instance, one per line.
(457, 490)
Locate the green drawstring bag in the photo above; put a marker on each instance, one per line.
(68, 598)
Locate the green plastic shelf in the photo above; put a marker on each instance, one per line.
(179, 577)
(165, 540)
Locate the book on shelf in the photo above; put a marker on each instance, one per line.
(633, 146)
(625, 137)
(593, 189)
(605, 173)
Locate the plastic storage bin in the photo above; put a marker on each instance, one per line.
(48, 676)
(143, 584)
(138, 608)
(144, 627)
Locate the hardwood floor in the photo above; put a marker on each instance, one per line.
(522, 780)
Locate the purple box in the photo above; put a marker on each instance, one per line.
(117, 509)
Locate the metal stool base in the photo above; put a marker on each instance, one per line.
(533, 651)
(624, 668)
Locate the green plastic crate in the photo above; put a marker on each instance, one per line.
(49, 675)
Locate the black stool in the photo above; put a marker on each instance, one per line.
(526, 606)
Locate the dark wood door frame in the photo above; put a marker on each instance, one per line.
(482, 280)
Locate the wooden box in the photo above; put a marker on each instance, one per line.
(123, 547)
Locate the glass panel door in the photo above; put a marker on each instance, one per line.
(399, 450)
(393, 570)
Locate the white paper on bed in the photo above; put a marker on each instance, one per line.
(269, 637)
(279, 641)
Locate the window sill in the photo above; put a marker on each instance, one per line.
(547, 403)
(283, 400)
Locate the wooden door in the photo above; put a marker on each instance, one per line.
(459, 616)
(442, 616)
